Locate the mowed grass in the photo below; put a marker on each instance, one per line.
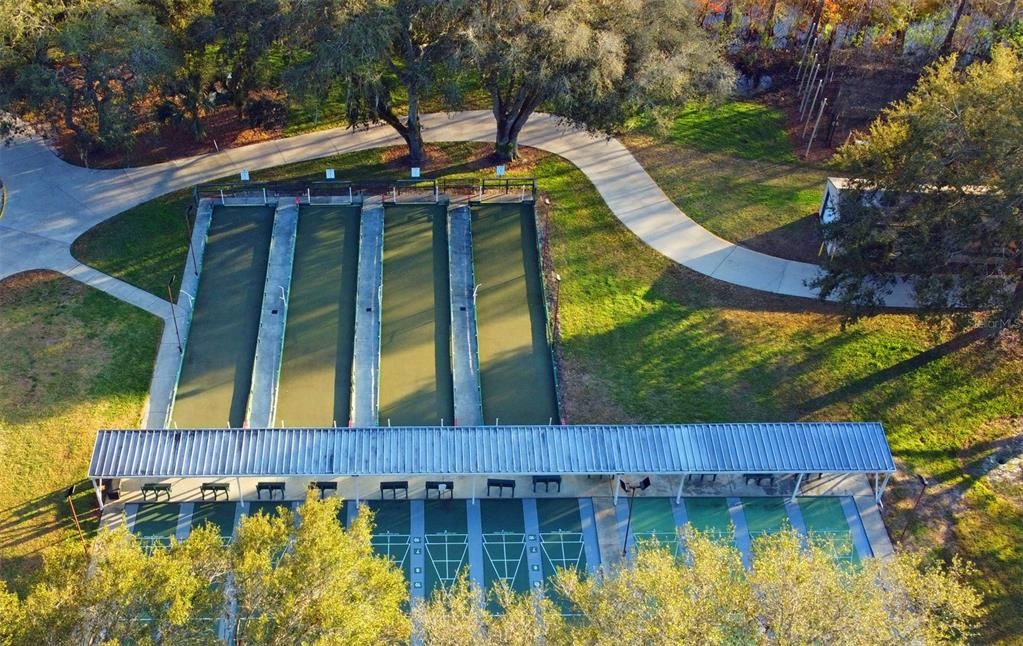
(645, 340)
(731, 168)
(74, 360)
(144, 246)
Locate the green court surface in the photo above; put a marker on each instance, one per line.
(653, 522)
(504, 544)
(561, 535)
(156, 523)
(765, 516)
(516, 369)
(219, 514)
(825, 520)
(392, 524)
(215, 375)
(315, 382)
(710, 516)
(268, 507)
(415, 364)
(447, 542)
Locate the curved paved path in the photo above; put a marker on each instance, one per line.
(50, 202)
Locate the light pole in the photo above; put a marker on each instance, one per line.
(174, 315)
(631, 489)
(557, 306)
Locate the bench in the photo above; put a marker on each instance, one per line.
(759, 478)
(394, 486)
(441, 487)
(270, 488)
(702, 477)
(155, 490)
(215, 489)
(323, 486)
(546, 481)
(501, 485)
(111, 489)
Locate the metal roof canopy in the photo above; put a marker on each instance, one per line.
(777, 448)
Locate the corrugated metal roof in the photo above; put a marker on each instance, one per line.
(494, 450)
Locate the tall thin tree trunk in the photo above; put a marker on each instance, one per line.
(769, 23)
(414, 132)
(1006, 17)
(946, 47)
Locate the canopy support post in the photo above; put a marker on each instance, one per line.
(681, 481)
(795, 492)
(474, 490)
(880, 489)
(97, 487)
(241, 494)
(614, 486)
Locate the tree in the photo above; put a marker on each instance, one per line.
(796, 592)
(246, 33)
(89, 601)
(946, 167)
(386, 53)
(946, 46)
(90, 71)
(460, 615)
(313, 582)
(593, 63)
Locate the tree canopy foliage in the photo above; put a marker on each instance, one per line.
(938, 199)
(313, 582)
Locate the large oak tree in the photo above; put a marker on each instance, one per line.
(594, 62)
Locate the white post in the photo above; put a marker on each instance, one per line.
(795, 492)
(880, 489)
(394, 193)
(222, 202)
(474, 490)
(614, 486)
(308, 196)
(264, 195)
(681, 481)
(436, 192)
(350, 199)
(810, 106)
(241, 494)
(96, 487)
(817, 123)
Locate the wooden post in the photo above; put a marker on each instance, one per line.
(813, 134)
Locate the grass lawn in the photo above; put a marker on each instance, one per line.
(646, 340)
(74, 360)
(731, 168)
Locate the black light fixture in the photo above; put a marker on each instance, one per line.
(631, 488)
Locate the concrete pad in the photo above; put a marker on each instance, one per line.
(464, 343)
(366, 359)
(266, 366)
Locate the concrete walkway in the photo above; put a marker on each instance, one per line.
(50, 202)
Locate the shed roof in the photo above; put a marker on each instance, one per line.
(494, 450)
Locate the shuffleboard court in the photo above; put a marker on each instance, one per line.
(316, 370)
(156, 523)
(561, 535)
(392, 526)
(217, 369)
(504, 544)
(447, 542)
(653, 523)
(516, 369)
(825, 520)
(415, 344)
(219, 514)
(765, 516)
(710, 516)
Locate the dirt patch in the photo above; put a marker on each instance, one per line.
(859, 84)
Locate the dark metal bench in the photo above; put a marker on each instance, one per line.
(155, 490)
(394, 486)
(215, 489)
(546, 481)
(441, 487)
(270, 488)
(702, 477)
(323, 486)
(501, 485)
(760, 478)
